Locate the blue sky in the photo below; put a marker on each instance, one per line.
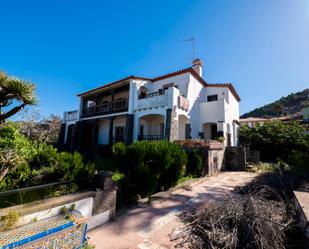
(67, 47)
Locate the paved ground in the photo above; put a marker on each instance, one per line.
(150, 226)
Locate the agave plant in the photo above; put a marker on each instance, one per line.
(15, 94)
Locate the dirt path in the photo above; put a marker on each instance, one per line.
(150, 226)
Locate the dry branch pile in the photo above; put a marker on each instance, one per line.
(241, 221)
(260, 215)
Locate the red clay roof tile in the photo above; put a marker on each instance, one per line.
(165, 76)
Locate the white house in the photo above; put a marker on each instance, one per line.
(175, 106)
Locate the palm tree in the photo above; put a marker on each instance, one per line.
(16, 93)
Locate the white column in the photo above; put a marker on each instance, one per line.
(132, 96)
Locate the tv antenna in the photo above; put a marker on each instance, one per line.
(193, 46)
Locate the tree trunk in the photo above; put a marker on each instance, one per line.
(3, 172)
(10, 113)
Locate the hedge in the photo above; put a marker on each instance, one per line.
(147, 167)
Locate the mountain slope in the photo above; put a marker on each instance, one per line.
(288, 105)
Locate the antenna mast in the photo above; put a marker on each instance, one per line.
(193, 46)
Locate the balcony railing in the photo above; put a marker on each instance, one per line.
(150, 137)
(113, 106)
(153, 100)
(150, 95)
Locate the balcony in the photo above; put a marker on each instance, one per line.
(71, 116)
(155, 99)
(115, 106)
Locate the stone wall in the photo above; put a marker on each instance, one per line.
(218, 157)
(252, 156)
(213, 152)
(302, 209)
(171, 131)
(235, 158)
(215, 161)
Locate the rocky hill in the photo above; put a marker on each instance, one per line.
(288, 105)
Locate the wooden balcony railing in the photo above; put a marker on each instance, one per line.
(111, 107)
(150, 137)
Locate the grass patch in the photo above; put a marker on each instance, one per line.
(183, 179)
(263, 167)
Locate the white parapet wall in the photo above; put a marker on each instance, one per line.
(97, 206)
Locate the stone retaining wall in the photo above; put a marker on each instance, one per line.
(235, 158)
(213, 152)
(302, 204)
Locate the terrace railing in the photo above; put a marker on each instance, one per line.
(113, 106)
(43, 191)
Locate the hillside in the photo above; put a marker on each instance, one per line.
(288, 105)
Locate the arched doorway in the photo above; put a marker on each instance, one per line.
(183, 127)
(151, 127)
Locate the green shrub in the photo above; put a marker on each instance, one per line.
(299, 161)
(106, 164)
(274, 139)
(195, 162)
(117, 176)
(71, 166)
(220, 139)
(119, 150)
(36, 163)
(149, 167)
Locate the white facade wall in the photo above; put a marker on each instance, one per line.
(223, 112)
(212, 111)
(195, 96)
(181, 81)
(232, 114)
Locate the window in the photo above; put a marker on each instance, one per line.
(166, 86)
(212, 97)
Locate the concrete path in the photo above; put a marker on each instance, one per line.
(150, 226)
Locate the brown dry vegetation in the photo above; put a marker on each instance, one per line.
(260, 215)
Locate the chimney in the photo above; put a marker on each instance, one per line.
(197, 65)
